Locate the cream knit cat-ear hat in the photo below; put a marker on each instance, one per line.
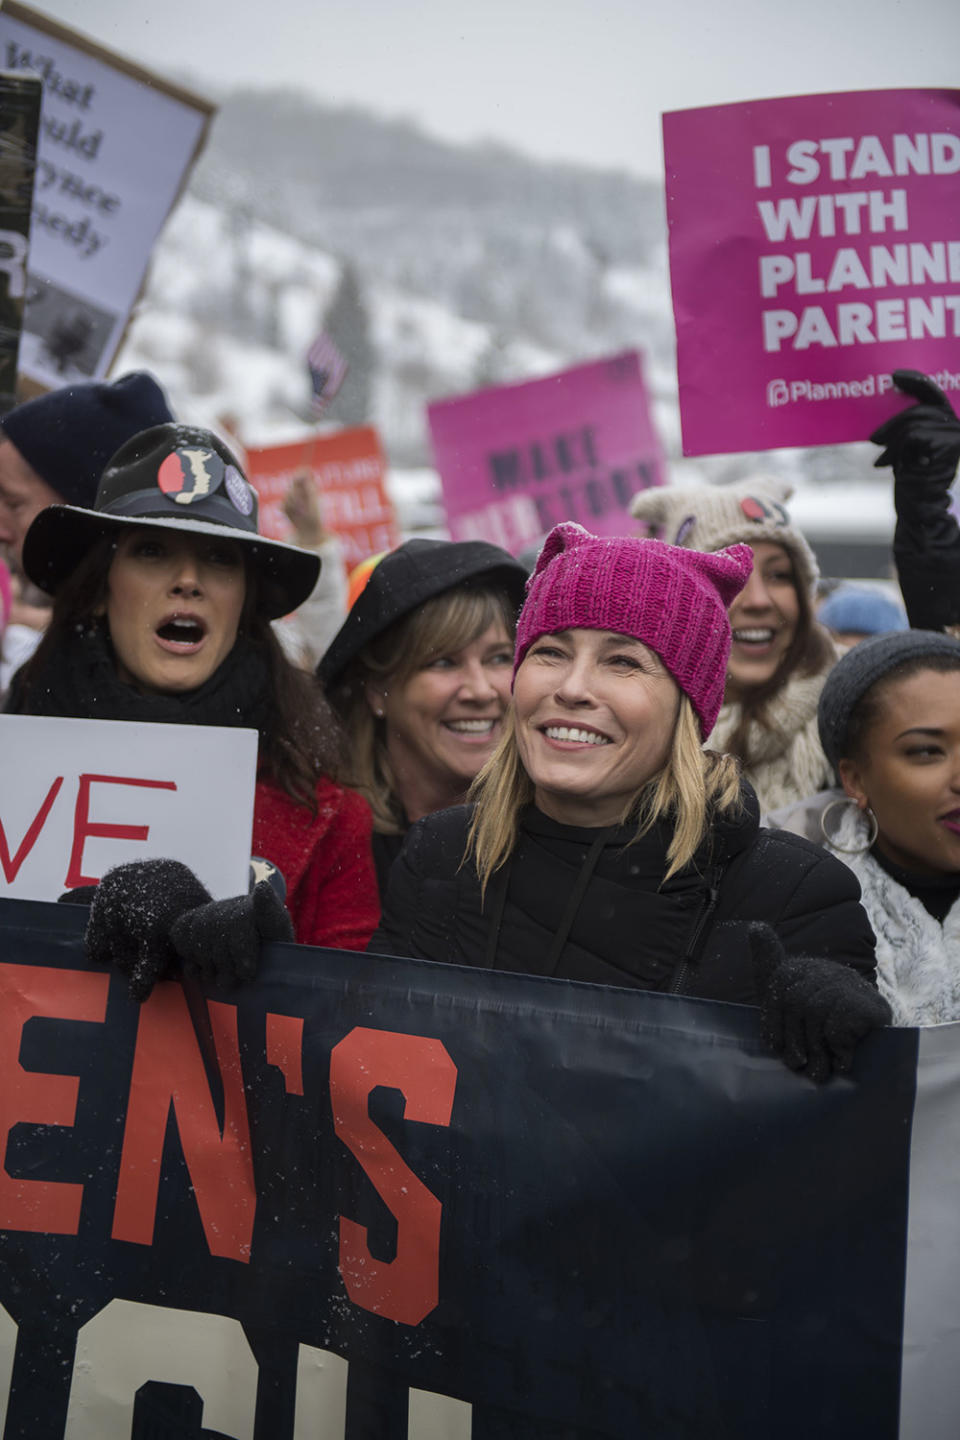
(710, 517)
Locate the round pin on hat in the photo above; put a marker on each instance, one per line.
(239, 490)
(191, 473)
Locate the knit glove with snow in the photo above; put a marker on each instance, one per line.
(132, 913)
(220, 941)
(922, 443)
(813, 1013)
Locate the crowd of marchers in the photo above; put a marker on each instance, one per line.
(660, 760)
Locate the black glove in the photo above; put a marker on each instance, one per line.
(923, 446)
(813, 1013)
(131, 917)
(220, 941)
(921, 443)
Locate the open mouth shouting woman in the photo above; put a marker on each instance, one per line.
(163, 596)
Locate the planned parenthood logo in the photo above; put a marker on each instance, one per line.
(783, 392)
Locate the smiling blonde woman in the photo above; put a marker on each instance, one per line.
(605, 844)
(419, 674)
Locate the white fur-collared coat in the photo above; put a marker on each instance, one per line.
(918, 959)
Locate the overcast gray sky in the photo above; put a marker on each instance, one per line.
(581, 80)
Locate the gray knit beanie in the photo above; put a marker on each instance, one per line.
(860, 669)
(710, 517)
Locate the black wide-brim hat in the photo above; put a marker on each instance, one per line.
(176, 477)
(417, 571)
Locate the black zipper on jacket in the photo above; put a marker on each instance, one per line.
(689, 955)
(573, 904)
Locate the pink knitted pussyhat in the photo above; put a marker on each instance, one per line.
(673, 600)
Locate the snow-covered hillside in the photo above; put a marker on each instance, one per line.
(464, 265)
(438, 269)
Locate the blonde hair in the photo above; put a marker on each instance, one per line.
(440, 626)
(693, 787)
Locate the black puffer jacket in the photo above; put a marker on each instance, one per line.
(628, 929)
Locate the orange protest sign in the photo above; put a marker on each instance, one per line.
(348, 468)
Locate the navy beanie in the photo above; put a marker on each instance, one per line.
(69, 435)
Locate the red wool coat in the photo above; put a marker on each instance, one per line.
(326, 861)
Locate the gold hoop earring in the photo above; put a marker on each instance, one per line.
(873, 832)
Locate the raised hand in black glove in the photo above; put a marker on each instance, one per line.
(131, 916)
(922, 443)
(220, 941)
(813, 1012)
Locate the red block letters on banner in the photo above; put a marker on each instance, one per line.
(30, 1098)
(406, 1288)
(285, 1049)
(168, 1070)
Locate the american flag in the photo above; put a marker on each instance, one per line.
(327, 370)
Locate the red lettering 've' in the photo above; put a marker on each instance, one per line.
(11, 867)
(83, 827)
(406, 1288)
(28, 1097)
(168, 1069)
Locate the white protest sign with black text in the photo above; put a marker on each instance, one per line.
(79, 796)
(115, 144)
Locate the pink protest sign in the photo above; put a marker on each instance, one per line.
(814, 248)
(517, 459)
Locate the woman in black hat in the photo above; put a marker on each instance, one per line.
(419, 673)
(163, 597)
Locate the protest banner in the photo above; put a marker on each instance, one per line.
(515, 460)
(116, 144)
(78, 796)
(379, 1198)
(19, 123)
(349, 470)
(814, 249)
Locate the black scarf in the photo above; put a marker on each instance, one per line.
(79, 678)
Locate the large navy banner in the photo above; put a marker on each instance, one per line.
(366, 1198)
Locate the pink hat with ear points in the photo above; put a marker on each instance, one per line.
(673, 600)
